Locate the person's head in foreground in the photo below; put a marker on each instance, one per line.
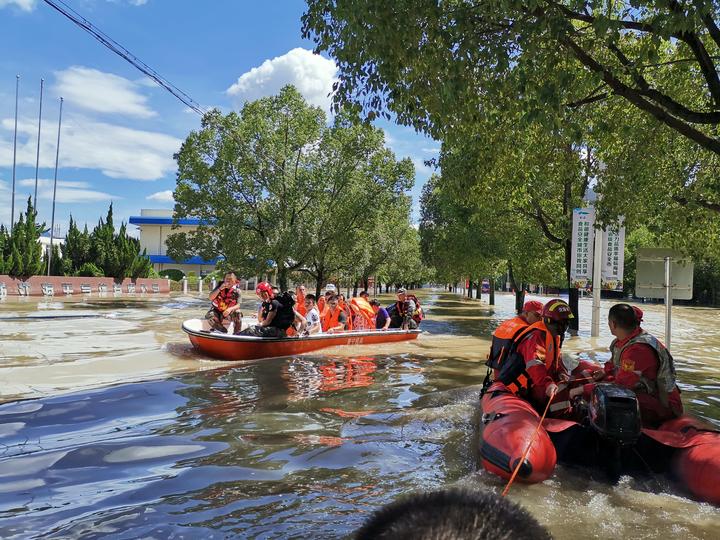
(452, 514)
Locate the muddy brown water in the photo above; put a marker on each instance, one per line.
(112, 425)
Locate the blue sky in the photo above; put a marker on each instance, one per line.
(120, 130)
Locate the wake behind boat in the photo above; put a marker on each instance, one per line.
(232, 347)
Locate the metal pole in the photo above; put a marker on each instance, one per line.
(597, 283)
(668, 303)
(57, 159)
(37, 156)
(12, 201)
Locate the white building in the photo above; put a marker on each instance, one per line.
(155, 226)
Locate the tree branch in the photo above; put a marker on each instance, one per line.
(634, 97)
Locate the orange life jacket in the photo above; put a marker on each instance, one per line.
(509, 365)
(348, 313)
(330, 319)
(300, 303)
(364, 309)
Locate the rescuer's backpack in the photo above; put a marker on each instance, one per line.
(286, 314)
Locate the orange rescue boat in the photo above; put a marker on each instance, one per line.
(231, 347)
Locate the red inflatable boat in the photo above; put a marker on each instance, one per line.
(507, 426)
(686, 448)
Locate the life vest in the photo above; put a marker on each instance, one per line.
(666, 381)
(348, 313)
(300, 305)
(508, 363)
(364, 310)
(330, 319)
(417, 315)
(227, 298)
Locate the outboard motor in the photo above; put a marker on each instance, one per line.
(614, 414)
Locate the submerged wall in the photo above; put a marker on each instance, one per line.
(62, 285)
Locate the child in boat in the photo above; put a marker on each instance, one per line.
(312, 316)
(225, 300)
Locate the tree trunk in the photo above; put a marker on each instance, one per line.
(492, 292)
(519, 290)
(319, 282)
(387, 288)
(282, 278)
(355, 289)
(470, 288)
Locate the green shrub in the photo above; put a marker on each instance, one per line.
(88, 269)
(173, 273)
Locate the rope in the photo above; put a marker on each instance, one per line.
(530, 442)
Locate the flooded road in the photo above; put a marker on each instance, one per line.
(133, 434)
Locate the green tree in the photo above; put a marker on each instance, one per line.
(422, 59)
(275, 186)
(25, 250)
(76, 250)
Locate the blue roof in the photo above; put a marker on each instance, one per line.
(149, 220)
(165, 259)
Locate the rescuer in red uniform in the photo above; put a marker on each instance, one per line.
(641, 363)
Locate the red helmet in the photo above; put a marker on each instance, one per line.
(264, 287)
(532, 306)
(557, 310)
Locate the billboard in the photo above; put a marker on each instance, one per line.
(613, 259)
(581, 258)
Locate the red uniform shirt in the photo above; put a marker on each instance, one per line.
(640, 359)
(533, 348)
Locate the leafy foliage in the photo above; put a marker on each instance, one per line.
(275, 187)
(22, 253)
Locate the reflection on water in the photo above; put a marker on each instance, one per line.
(278, 448)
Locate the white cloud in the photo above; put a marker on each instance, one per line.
(67, 191)
(163, 196)
(117, 151)
(421, 168)
(310, 73)
(101, 92)
(25, 5)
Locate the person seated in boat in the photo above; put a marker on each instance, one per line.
(404, 313)
(363, 314)
(299, 322)
(382, 318)
(365, 295)
(532, 367)
(640, 362)
(300, 292)
(345, 306)
(225, 300)
(312, 316)
(333, 319)
(322, 301)
(276, 314)
(455, 513)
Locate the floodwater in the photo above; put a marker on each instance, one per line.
(113, 425)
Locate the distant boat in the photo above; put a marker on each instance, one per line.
(231, 347)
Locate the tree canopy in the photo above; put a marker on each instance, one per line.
(275, 186)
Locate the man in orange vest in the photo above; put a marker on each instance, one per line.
(543, 357)
(506, 333)
(333, 318)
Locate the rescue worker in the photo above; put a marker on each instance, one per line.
(300, 300)
(542, 352)
(505, 334)
(401, 313)
(641, 363)
(333, 319)
(275, 318)
(225, 300)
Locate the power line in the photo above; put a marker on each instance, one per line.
(122, 52)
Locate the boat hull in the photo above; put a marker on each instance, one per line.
(229, 347)
(507, 426)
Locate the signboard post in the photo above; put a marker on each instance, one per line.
(597, 259)
(664, 273)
